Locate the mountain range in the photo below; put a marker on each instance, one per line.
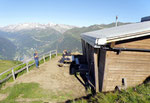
(28, 26)
(21, 40)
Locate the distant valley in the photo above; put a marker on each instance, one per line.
(19, 41)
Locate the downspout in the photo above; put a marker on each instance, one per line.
(126, 49)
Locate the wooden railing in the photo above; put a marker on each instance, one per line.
(17, 69)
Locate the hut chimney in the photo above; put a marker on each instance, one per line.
(147, 18)
(116, 20)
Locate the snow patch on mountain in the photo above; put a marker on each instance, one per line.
(28, 26)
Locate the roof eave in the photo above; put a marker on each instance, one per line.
(97, 42)
(109, 40)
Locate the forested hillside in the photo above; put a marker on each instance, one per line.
(7, 49)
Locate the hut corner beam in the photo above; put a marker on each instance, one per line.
(96, 70)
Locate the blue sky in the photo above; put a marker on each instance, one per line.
(72, 12)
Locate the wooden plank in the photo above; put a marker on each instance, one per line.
(56, 53)
(129, 66)
(119, 77)
(112, 44)
(13, 74)
(50, 55)
(53, 50)
(31, 64)
(96, 69)
(16, 72)
(131, 70)
(27, 67)
(105, 72)
(44, 58)
(5, 71)
(138, 44)
(101, 60)
(3, 80)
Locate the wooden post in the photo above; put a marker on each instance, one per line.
(50, 56)
(27, 67)
(13, 73)
(96, 70)
(56, 53)
(44, 58)
(112, 44)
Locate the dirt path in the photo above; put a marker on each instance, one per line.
(53, 78)
(3, 96)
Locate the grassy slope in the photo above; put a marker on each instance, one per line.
(32, 92)
(6, 64)
(138, 94)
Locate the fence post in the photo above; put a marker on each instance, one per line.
(13, 73)
(56, 53)
(27, 67)
(44, 58)
(50, 55)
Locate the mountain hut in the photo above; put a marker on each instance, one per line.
(117, 56)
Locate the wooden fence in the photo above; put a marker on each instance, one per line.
(17, 69)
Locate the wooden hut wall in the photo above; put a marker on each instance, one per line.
(134, 67)
(128, 65)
